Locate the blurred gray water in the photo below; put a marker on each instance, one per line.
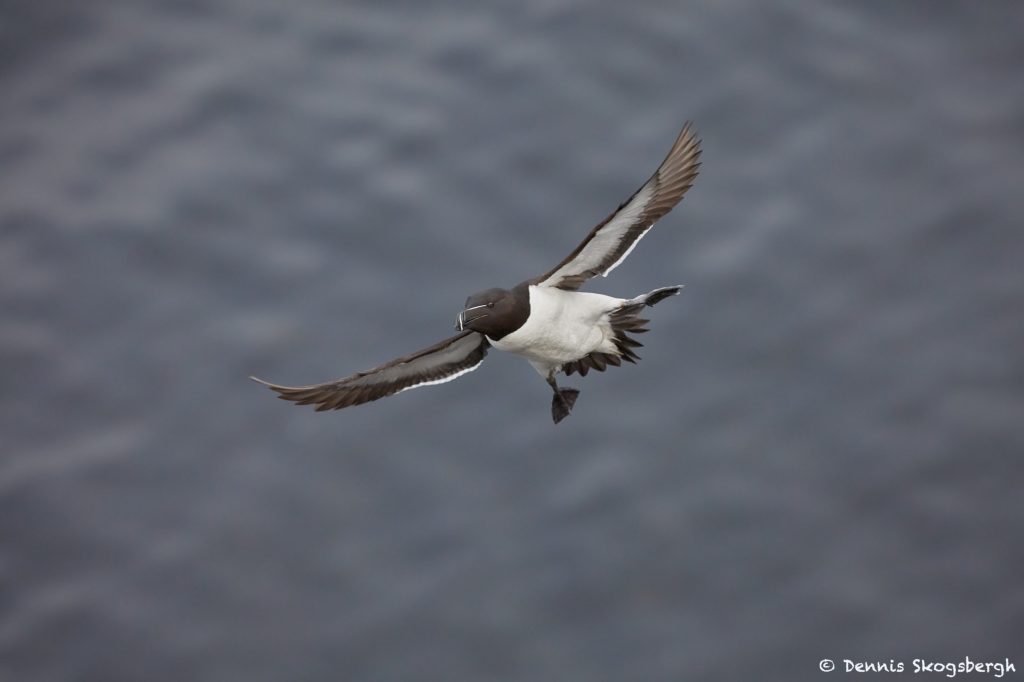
(820, 454)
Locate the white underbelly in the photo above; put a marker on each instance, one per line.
(563, 326)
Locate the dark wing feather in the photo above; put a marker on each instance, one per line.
(441, 362)
(611, 241)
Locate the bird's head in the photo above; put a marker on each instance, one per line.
(494, 312)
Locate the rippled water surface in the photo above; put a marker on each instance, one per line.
(820, 455)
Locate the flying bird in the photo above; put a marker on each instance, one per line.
(546, 319)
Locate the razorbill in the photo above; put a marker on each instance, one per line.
(544, 319)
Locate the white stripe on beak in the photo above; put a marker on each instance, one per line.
(460, 321)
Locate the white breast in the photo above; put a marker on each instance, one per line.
(562, 326)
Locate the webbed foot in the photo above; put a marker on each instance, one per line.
(562, 403)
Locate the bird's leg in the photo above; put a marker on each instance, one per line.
(564, 399)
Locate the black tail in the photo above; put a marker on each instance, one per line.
(659, 295)
(624, 321)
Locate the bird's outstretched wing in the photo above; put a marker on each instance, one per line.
(610, 242)
(441, 362)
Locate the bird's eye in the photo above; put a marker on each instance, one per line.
(490, 304)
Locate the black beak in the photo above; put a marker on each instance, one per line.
(462, 320)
